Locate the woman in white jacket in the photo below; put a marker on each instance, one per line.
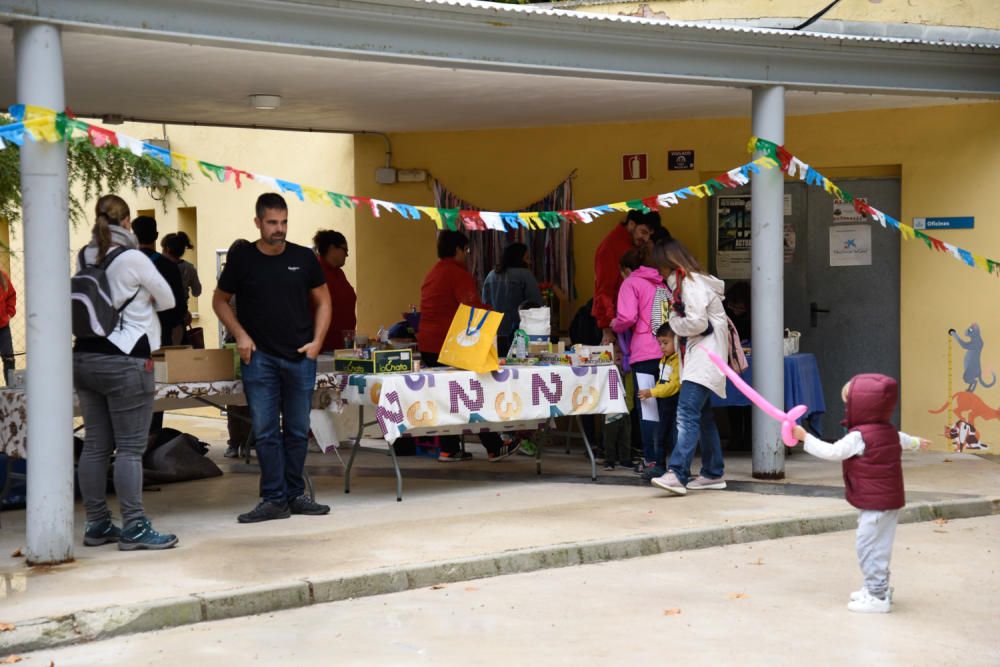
(113, 377)
(699, 320)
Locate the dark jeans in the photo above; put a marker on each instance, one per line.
(451, 444)
(6, 354)
(116, 401)
(668, 428)
(279, 394)
(695, 420)
(652, 445)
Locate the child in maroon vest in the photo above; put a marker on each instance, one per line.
(873, 479)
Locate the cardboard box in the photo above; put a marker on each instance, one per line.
(382, 361)
(187, 365)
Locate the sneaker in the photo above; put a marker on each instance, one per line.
(504, 452)
(265, 511)
(528, 448)
(609, 465)
(869, 604)
(454, 457)
(860, 593)
(699, 483)
(232, 452)
(669, 482)
(139, 534)
(306, 505)
(653, 472)
(101, 532)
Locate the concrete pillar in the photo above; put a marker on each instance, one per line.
(768, 285)
(44, 188)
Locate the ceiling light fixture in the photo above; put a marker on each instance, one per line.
(265, 102)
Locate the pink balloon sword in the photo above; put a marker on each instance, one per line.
(787, 419)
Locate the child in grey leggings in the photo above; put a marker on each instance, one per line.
(873, 479)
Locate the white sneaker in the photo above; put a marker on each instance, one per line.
(669, 482)
(869, 604)
(858, 594)
(700, 482)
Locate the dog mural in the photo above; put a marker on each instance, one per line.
(972, 366)
(968, 407)
(964, 435)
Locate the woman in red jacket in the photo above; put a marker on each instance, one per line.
(8, 307)
(449, 285)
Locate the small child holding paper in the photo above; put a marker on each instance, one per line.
(873, 479)
(668, 384)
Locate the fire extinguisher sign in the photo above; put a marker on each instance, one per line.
(634, 167)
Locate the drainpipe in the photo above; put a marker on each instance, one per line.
(38, 55)
(767, 287)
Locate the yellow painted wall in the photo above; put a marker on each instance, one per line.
(225, 213)
(945, 156)
(970, 13)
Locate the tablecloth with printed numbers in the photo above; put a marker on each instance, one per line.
(446, 401)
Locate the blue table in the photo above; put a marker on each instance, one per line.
(802, 387)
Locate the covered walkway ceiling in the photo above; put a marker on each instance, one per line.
(412, 65)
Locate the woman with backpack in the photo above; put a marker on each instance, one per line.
(699, 320)
(113, 376)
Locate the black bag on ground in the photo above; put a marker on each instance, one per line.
(173, 456)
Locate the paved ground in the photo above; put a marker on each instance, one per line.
(774, 603)
(451, 513)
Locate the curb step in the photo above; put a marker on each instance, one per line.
(93, 625)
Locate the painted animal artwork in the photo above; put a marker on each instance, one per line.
(964, 435)
(972, 368)
(968, 407)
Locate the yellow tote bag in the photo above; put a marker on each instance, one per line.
(471, 340)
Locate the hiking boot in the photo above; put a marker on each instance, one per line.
(860, 593)
(669, 482)
(265, 511)
(100, 532)
(700, 483)
(139, 534)
(454, 457)
(306, 505)
(869, 604)
(504, 452)
(232, 452)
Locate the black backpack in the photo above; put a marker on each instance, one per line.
(94, 312)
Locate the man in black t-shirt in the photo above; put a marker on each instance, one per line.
(278, 340)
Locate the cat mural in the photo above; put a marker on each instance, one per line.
(972, 373)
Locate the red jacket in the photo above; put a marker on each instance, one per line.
(874, 480)
(607, 273)
(344, 301)
(8, 301)
(448, 285)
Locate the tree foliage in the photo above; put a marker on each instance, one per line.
(92, 172)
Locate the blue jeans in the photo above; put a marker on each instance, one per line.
(695, 420)
(652, 444)
(276, 387)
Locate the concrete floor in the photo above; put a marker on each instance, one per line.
(773, 603)
(449, 511)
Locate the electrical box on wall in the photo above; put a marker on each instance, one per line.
(412, 175)
(385, 175)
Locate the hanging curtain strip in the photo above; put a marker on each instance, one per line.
(793, 166)
(41, 124)
(550, 250)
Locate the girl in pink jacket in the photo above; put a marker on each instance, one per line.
(637, 298)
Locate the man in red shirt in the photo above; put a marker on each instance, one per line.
(448, 286)
(331, 247)
(634, 232)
